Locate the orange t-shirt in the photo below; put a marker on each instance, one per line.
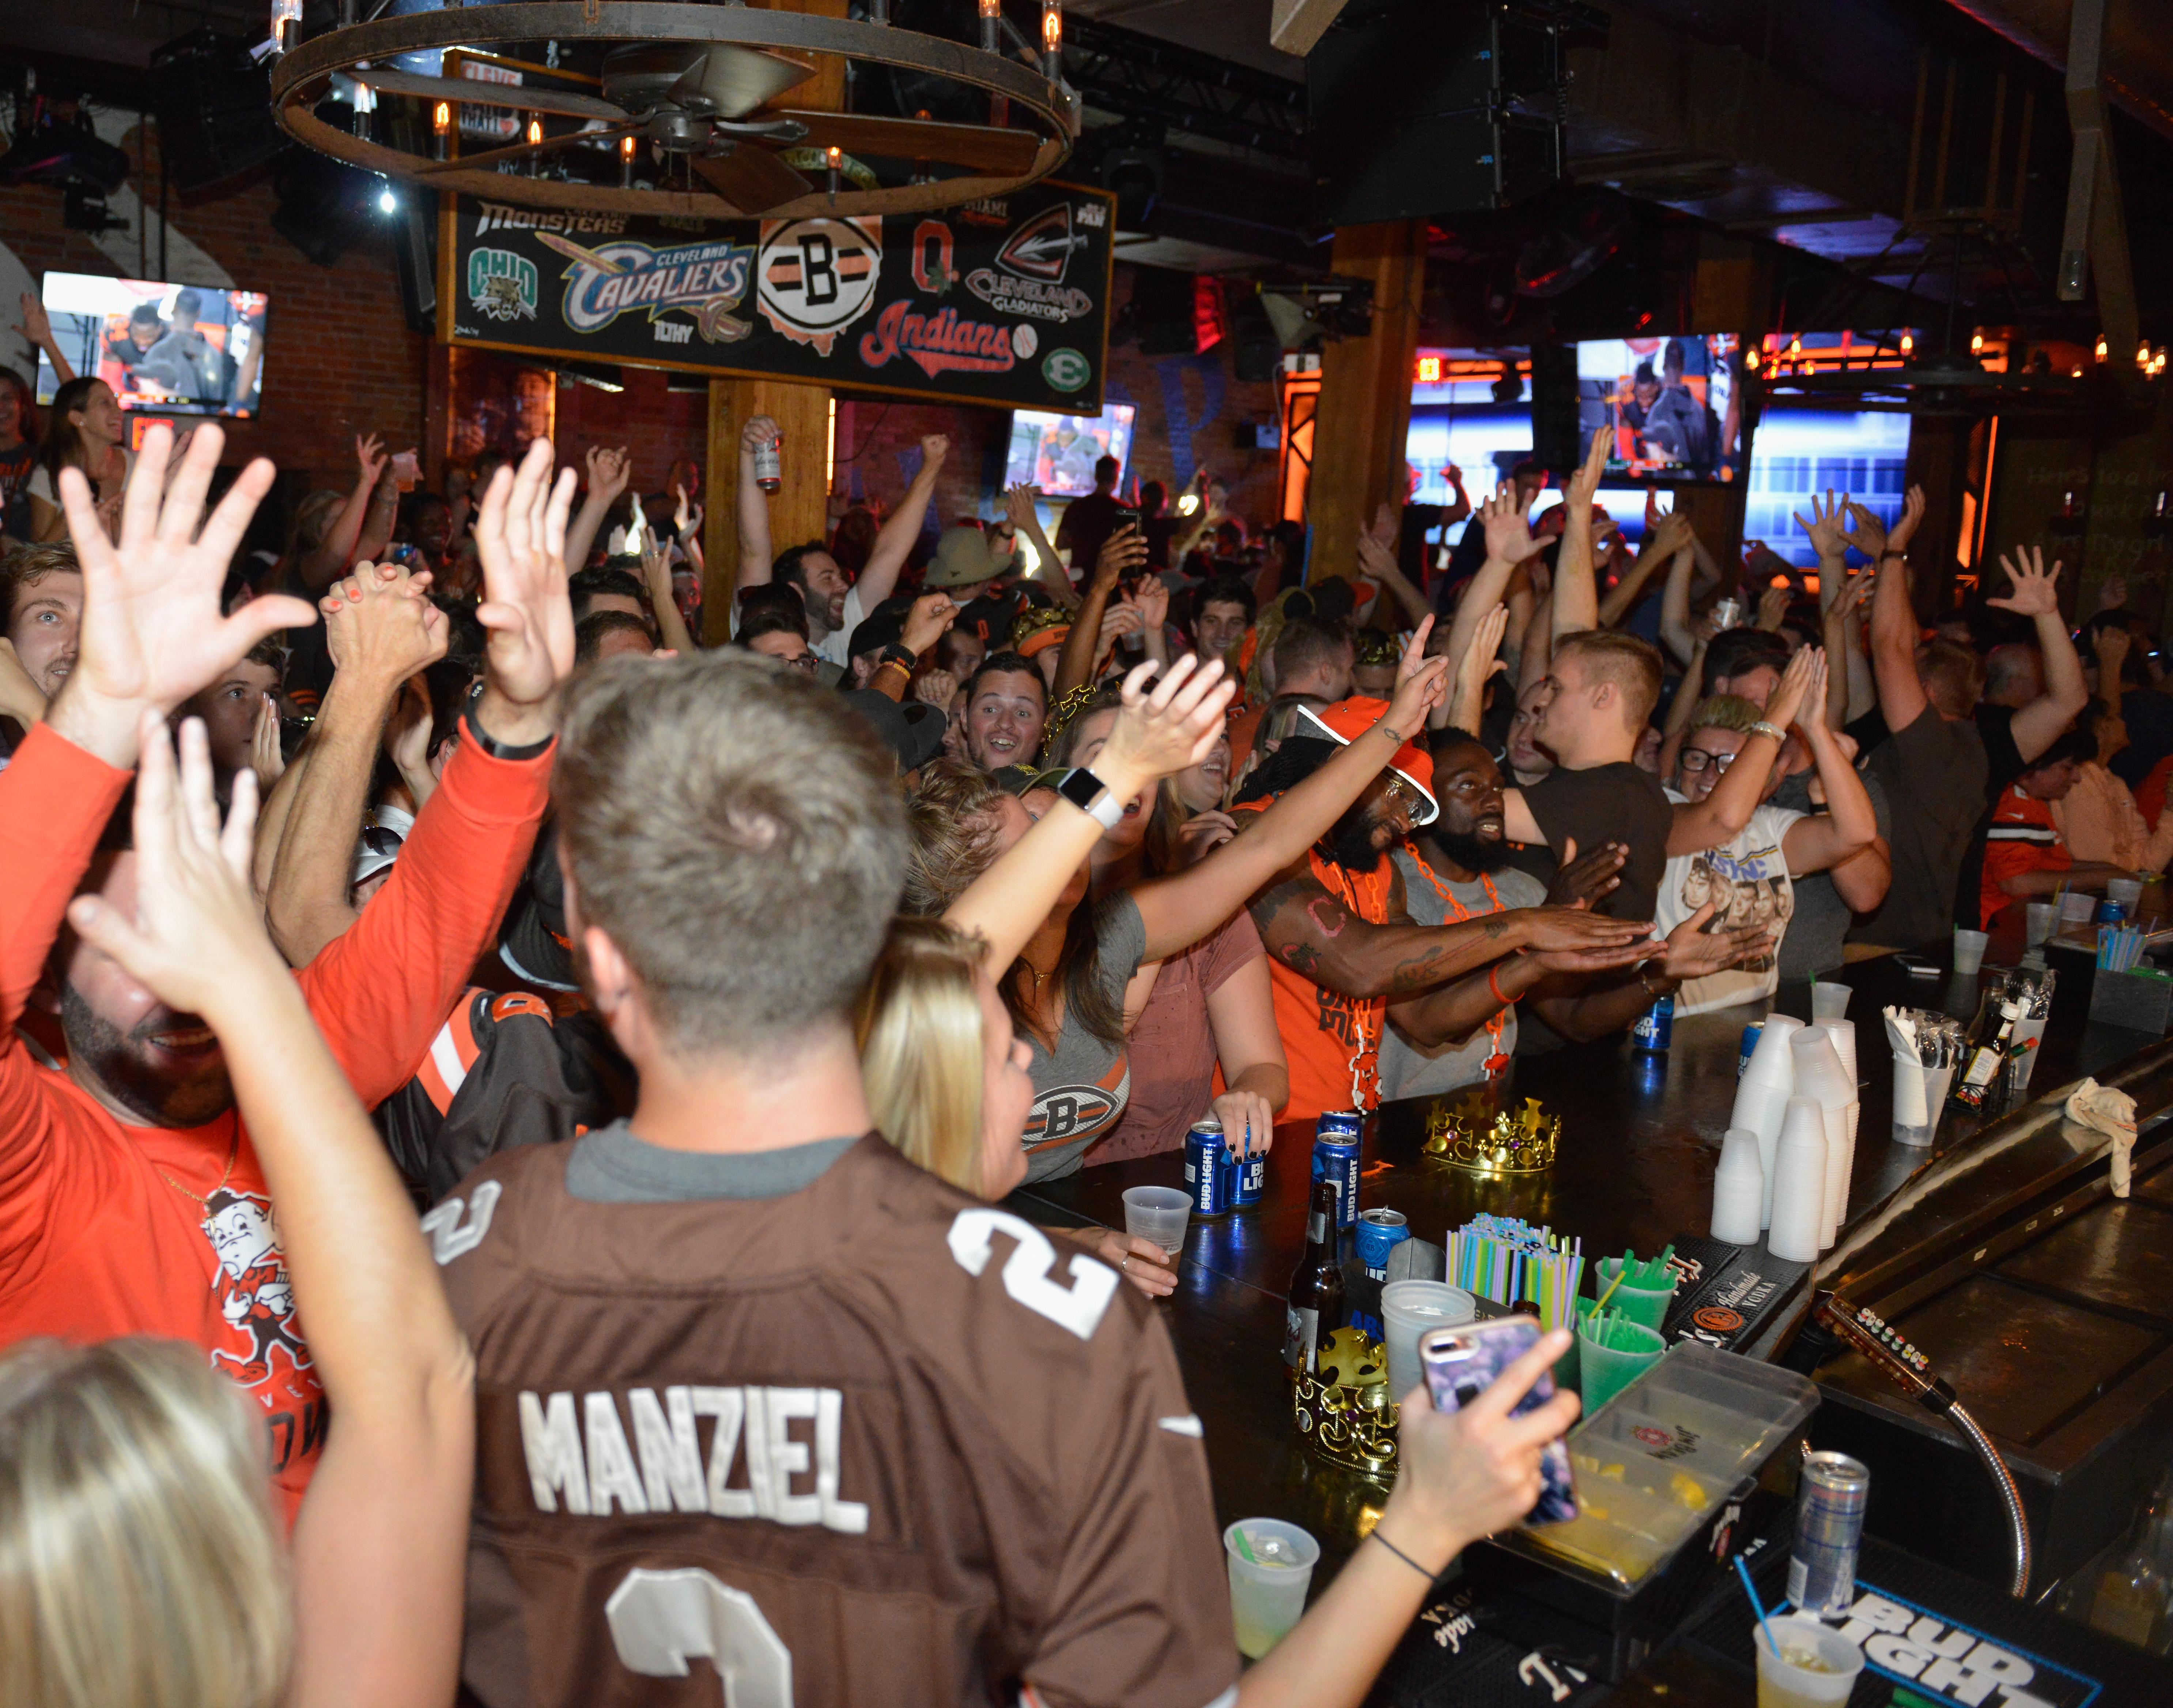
(2022, 838)
(108, 1229)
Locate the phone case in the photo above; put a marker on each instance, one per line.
(1460, 1364)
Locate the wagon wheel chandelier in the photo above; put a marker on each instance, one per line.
(705, 87)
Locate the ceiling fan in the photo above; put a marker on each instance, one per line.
(708, 104)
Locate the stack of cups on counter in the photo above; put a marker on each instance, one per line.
(1794, 1120)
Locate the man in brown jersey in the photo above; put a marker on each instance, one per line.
(755, 1395)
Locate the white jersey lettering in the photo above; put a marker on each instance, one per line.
(788, 1455)
(728, 1405)
(670, 1457)
(552, 1443)
(1078, 1308)
(610, 1466)
(450, 1238)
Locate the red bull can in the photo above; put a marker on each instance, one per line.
(1210, 1174)
(1830, 1496)
(1336, 1158)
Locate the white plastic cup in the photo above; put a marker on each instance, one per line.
(2030, 1032)
(2077, 907)
(1408, 1310)
(1913, 1108)
(1267, 1592)
(1819, 1075)
(1770, 1064)
(2039, 920)
(1843, 1034)
(1799, 1183)
(1829, 1001)
(1758, 1109)
(1157, 1213)
(2128, 891)
(1781, 1685)
(1969, 950)
(1739, 1189)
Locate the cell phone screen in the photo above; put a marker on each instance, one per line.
(1461, 1364)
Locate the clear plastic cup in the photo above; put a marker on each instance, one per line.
(1603, 1371)
(1408, 1310)
(2039, 921)
(1647, 1306)
(1267, 1592)
(1157, 1213)
(1969, 950)
(1829, 1001)
(2128, 891)
(2077, 907)
(1829, 1663)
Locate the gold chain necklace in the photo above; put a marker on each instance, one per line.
(233, 1151)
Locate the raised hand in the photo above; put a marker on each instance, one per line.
(1581, 486)
(1904, 530)
(686, 515)
(196, 922)
(2111, 645)
(936, 688)
(1201, 834)
(1673, 533)
(1019, 502)
(34, 326)
(1422, 684)
(1552, 931)
(1122, 552)
(1508, 535)
(2036, 589)
(1468, 1473)
(266, 758)
(1807, 667)
(1772, 606)
(760, 431)
(407, 737)
(2112, 593)
(1480, 662)
(1693, 952)
(933, 448)
(1811, 714)
(1386, 522)
(1828, 537)
(1581, 880)
(1175, 727)
(152, 633)
(370, 457)
(1152, 601)
(925, 622)
(609, 471)
(520, 537)
(380, 626)
(1868, 535)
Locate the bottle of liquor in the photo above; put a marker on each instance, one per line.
(1981, 1071)
(1316, 1290)
(2134, 1596)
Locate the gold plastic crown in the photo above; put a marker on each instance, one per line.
(1342, 1406)
(1468, 1134)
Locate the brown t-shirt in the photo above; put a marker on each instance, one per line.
(868, 1440)
(1172, 1044)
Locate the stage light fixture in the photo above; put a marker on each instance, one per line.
(1908, 344)
(1429, 371)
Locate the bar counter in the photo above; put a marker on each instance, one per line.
(1641, 1138)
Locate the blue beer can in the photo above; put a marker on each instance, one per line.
(1751, 1034)
(1208, 1174)
(1656, 1027)
(1336, 1158)
(2111, 913)
(1252, 1174)
(1380, 1232)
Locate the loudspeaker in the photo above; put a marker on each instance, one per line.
(415, 253)
(1556, 441)
(1420, 108)
(326, 206)
(1161, 312)
(214, 109)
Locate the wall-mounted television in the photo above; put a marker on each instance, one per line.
(1674, 405)
(1057, 453)
(174, 349)
(1864, 453)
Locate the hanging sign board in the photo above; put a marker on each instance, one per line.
(1003, 302)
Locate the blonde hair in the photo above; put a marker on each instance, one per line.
(922, 1049)
(141, 1563)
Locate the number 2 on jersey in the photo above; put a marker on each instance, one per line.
(659, 1620)
(1078, 1307)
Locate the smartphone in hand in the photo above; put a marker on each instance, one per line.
(1461, 1364)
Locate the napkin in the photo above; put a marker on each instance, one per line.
(2104, 1110)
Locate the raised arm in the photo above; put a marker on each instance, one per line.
(36, 329)
(608, 472)
(1577, 596)
(1688, 692)
(1478, 665)
(381, 628)
(1815, 843)
(755, 554)
(1378, 562)
(1175, 727)
(328, 561)
(672, 631)
(1508, 543)
(1721, 817)
(1122, 552)
(376, 1581)
(2036, 595)
(1668, 542)
(1894, 630)
(1829, 537)
(1675, 604)
(896, 539)
(1019, 504)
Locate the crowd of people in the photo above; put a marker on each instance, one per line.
(708, 1004)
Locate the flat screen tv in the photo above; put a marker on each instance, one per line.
(174, 349)
(1057, 453)
(1673, 405)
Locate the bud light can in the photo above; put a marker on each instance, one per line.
(1656, 1028)
(1830, 1497)
(1252, 1177)
(1336, 1158)
(1208, 1175)
(1380, 1232)
(1751, 1034)
(2111, 913)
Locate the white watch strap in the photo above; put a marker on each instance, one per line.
(1108, 811)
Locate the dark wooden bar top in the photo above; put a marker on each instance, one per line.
(1641, 1138)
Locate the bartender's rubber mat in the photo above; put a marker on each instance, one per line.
(1727, 1290)
(1464, 1653)
(1933, 1639)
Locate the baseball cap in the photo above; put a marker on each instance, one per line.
(963, 559)
(1346, 721)
(379, 845)
(910, 729)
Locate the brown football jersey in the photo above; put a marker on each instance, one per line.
(874, 1441)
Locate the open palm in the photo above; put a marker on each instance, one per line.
(521, 537)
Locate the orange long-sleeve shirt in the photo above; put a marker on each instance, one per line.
(108, 1228)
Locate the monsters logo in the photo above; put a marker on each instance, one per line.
(705, 280)
(1030, 268)
(502, 284)
(816, 277)
(941, 343)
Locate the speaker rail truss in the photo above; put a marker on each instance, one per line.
(301, 78)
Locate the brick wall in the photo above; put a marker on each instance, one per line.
(338, 356)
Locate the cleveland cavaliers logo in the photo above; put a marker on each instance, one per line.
(254, 1294)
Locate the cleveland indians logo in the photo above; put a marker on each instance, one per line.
(255, 1295)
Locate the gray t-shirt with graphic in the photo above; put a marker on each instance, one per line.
(1080, 1088)
(1406, 1072)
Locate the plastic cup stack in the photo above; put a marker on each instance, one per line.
(1739, 1189)
(1843, 1034)
(1762, 1094)
(1829, 1001)
(1819, 1076)
(1799, 1183)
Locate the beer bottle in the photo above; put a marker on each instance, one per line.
(1315, 1311)
(768, 466)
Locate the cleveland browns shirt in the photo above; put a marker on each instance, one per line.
(816, 1422)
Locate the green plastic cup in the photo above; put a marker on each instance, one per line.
(1604, 1368)
(1566, 1366)
(1647, 1307)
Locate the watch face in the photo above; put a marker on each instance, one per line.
(1080, 787)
